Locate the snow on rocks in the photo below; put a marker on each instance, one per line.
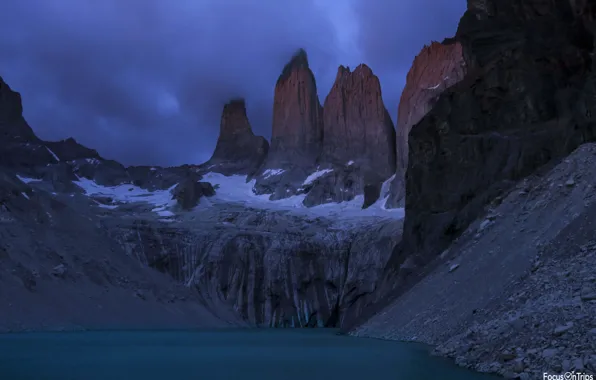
(53, 154)
(272, 172)
(235, 188)
(27, 179)
(319, 173)
(128, 193)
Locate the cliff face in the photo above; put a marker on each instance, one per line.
(13, 126)
(331, 154)
(273, 269)
(526, 100)
(238, 150)
(356, 124)
(297, 131)
(437, 67)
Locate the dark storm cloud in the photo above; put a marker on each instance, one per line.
(143, 81)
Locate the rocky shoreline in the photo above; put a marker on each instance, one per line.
(516, 294)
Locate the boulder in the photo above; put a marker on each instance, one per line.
(188, 193)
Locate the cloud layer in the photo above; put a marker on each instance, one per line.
(143, 81)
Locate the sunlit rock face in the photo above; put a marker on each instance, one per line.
(357, 127)
(437, 67)
(297, 131)
(351, 140)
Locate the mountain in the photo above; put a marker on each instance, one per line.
(499, 207)
(356, 125)
(89, 243)
(238, 150)
(437, 67)
(336, 153)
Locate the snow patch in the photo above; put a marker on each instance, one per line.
(152, 169)
(127, 193)
(25, 195)
(319, 173)
(27, 179)
(272, 172)
(53, 154)
(165, 213)
(350, 163)
(235, 189)
(166, 220)
(434, 87)
(109, 207)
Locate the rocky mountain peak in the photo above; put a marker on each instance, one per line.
(298, 61)
(356, 124)
(234, 119)
(10, 103)
(238, 150)
(12, 125)
(525, 101)
(437, 67)
(297, 124)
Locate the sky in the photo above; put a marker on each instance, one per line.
(144, 81)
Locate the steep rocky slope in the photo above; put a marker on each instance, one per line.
(59, 268)
(516, 293)
(275, 268)
(484, 269)
(437, 67)
(238, 150)
(526, 100)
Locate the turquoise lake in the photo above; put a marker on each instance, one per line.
(300, 354)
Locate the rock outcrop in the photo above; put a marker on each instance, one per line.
(297, 132)
(238, 150)
(356, 125)
(189, 192)
(437, 67)
(13, 126)
(331, 154)
(527, 99)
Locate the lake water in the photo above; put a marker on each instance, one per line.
(276, 354)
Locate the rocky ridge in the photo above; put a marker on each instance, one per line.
(524, 102)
